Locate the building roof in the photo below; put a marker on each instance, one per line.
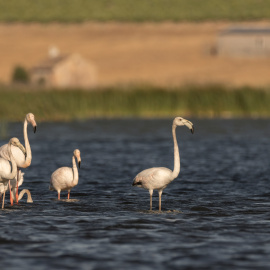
(246, 31)
(49, 63)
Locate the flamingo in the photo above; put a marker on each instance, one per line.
(22, 160)
(159, 177)
(8, 171)
(65, 178)
(13, 184)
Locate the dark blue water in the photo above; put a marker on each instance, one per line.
(216, 214)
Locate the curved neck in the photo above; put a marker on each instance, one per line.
(29, 197)
(176, 168)
(75, 172)
(11, 174)
(28, 158)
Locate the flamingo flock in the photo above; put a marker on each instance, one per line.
(14, 156)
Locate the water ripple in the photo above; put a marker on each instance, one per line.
(215, 215)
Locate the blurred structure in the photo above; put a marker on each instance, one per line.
(64, 71)
(244, 42)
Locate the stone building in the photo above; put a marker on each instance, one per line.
(244, 42)
(64, 71)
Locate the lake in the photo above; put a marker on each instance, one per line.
(215, 214)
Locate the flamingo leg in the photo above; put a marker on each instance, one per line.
(159, 205)
(17, 191)
(68, 194)
(3, 202)
(11, 198)
(58, 195)
(151, 193)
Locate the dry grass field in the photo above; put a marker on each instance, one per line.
(164, 54)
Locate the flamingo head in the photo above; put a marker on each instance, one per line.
(15, 142)
(179, 121)
(30, 118)
(137, 182)
(77, 154)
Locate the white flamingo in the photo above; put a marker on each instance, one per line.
(159, 177)
(65, 178)
(23, 160)
(13, 184)
(8, 171)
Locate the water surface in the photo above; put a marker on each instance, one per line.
(215, 214)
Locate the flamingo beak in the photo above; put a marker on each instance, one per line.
(79, 164)
(35, 129)
(189, 125)
(136, 183)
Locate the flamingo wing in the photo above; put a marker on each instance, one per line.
(153, 178)
(61, 179)
(17, 153)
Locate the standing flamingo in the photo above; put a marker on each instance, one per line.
(8, 171)
(65, 178)
(13, 184)
(159, 177)
(22, 160)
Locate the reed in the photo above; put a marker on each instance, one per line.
(143, 101)
(130, 10)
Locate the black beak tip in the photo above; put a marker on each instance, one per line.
(136, 184)
(192, 130)
(79, 163)
(35, 129)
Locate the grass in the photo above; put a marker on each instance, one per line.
(207, 101)
(132, 10)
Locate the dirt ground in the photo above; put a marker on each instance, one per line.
(153, 53)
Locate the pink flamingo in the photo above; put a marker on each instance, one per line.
(159, 178)
(8, 171)
(23, 160)
(65, 178)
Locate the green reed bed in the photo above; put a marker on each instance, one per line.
(208, 101)
(132, 10)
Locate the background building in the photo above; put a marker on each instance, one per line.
(243, 41)
(64, 71)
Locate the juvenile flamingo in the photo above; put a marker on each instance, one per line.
(159, 177)
(65, 178)
(8, 171)
(23, 160)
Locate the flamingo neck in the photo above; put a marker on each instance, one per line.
(176, 169)
(29, 197)
(75, 172)
(12, 174)
(28, 158)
